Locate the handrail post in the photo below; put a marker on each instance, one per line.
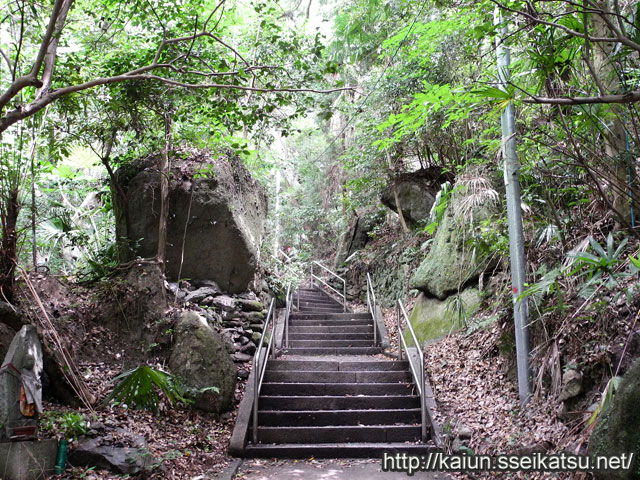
(399, 331)
(256, 393)
(344, 295)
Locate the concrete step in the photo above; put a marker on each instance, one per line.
(333, 350)
(341, 433)
(337, 450)
(330, 316)
(317, 310)
(328, 322)
(338, 365)
(337, 402)
(320, 329)
(330, 343)
(321, 336)
(292, 376)
(316, 300)
(305, 389)
(273, 418)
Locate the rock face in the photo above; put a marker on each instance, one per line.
(222, 207)
(201, 360)
(416, 192)
(432, 318)
(618, 430)
(356, 235)
(450, 265)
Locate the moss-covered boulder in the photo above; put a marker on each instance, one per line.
(432, 318)
(618, 431)
(200, 359)
(450, 264)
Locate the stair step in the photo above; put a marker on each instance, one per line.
(330, 343)
(337, 450)
(289, 376)
(305, 329)
(342, 433)
(316, 310)
(338, 417)
(337, 402)
(305, 389)
(331, 316)
(370, 366)
(328, 322)
(334, 350)
(321, 336)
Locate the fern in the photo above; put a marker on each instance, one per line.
(142, 386)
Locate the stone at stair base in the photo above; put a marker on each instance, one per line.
(28, 460)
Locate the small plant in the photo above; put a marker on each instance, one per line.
(68, 425)
(457, 308)
(142, 386)
(439, 207)
(595, 265)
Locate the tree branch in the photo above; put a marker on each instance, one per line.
(629, 97)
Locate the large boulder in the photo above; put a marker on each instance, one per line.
(216, 216)
(432, 319)
(416, 193)
(200, 359)
(451, 265)
(618, 430)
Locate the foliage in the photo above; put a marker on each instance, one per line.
(70, 425)
(144, 386)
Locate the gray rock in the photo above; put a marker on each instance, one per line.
(450, 264)
(356, 236)
(201, 293)
(432, 318)
(256, 327)
(249, 348)
(618, 429)
(416, 192)
(10, 317)
(254, 317)
(224, 230)
(241, 357)
(256, 336)
(571, 384)
(464, 432)
(201, 360)
(225, 303)
(250, 305)
(89, 452)
(6, 335)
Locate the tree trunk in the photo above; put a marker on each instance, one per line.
(164, 193)
(614, 134)
(8, 250)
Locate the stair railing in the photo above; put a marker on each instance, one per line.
(260, 363)
(342, 295)
(288, 306)
(371, 302)
(416, 370)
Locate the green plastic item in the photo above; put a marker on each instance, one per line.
(61, 459)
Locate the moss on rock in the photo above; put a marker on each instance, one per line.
(618, 429)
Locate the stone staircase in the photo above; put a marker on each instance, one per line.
(330, 396)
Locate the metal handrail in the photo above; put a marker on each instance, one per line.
(281, 252)
(344, 282)
(418, 372)
(371, 302)
(260, 365)
(288, 306)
